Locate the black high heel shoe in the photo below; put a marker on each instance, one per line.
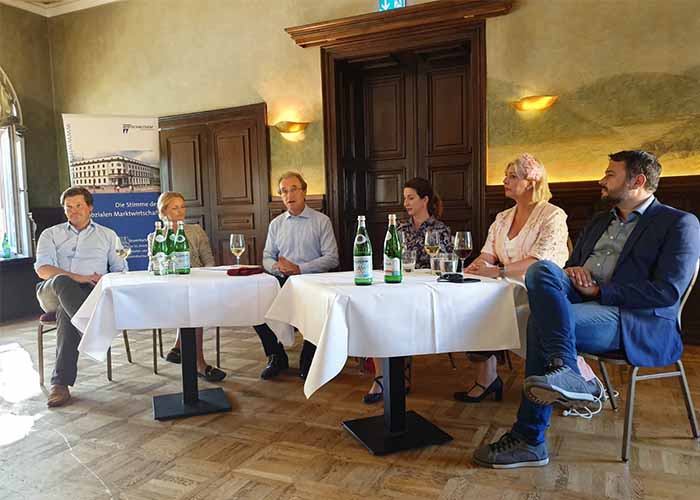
(496, 388)
(371, 398)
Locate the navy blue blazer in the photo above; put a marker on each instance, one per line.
(653, 272)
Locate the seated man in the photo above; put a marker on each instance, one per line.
(299, 241)
(71, 258)
(620, 289)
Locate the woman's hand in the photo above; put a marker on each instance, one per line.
(482, 268)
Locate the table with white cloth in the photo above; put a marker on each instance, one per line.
(392, 321)
(205, 297)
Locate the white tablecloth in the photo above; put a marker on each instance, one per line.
(139, 300)
(418, 316)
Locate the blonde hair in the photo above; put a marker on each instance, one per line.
(288, 174)
(164, 200)
(530, 168)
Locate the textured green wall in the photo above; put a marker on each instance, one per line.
(165, 57)
(25, 57)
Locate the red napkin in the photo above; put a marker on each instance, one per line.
(245, 271)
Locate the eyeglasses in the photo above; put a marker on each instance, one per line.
(287, 192)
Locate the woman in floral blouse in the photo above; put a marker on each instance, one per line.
(532, 230)
(423, 206)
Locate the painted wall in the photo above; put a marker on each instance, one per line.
(627, 73)
(25, 57)
(165, 57)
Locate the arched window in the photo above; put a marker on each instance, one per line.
(13, 177)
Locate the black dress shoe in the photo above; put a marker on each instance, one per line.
(496, 388)
(371, 398)
(275, 364)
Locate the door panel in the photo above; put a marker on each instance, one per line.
(220, 161)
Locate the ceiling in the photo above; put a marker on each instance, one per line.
(50, 8)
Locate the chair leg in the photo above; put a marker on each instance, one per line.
(160, 341)
(155, 353)
(40, 352)
(688, 400)
(510, 363)
(218, 347)
(629, 413)
(608, 385)
(126, 344)
(109, 364)
(452, 360)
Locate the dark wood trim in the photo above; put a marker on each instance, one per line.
(423, 18)
(474, 34)
(214, 116)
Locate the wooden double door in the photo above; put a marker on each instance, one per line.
(402, 115)
(219, 160)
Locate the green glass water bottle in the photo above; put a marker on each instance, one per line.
(158, 251)
(362, 254)
(6, 250)
(169, 249)
(181, 250)
(393, 270)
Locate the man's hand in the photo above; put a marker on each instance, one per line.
(87, 278)
(592, 291)
(287, 267)
(580, 277)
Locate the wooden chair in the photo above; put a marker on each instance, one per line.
(618, 358)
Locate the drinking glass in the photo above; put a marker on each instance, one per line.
(448, 263)
(409, 260)
(463, 245)
(124, 250)
(435, 265)
(432, 243)
(237, 245)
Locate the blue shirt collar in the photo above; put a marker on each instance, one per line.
(637, 212)
(306, 213)
(69, 226)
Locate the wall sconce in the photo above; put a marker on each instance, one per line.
(535, 102)
(291, 127)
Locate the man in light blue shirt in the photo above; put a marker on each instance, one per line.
(71, 258)
(299, 241)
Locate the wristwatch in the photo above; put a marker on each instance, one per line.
(501, 271)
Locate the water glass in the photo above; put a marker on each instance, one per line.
(435, 265)
(409, 260)
(448, 263)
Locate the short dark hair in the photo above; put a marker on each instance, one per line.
(638, 162)
(76, 191)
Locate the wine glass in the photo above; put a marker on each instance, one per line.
(463, 245)
(124, 250)
(237, 244)
(432, 242)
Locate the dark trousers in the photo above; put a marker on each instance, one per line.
(67, 295)
(272, 345)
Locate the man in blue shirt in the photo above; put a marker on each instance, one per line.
(620, 290)
(71, 258)
(299, 241)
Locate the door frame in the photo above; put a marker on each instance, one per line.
(474, 35)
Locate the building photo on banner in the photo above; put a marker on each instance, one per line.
(117, 159)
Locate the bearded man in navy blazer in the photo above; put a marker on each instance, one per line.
(620, 290)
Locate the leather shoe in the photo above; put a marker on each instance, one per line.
(58, 396)
(275, 364)
(496, 388)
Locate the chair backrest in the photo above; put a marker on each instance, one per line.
(684, 299)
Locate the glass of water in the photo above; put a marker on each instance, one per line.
(409, 260)
(448, 263)
(124, 250)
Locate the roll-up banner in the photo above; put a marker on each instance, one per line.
(117, 159)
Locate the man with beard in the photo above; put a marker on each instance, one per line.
(620, 290)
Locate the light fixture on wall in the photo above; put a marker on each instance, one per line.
(287, 127)
(534, 102)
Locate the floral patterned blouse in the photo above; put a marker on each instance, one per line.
(543, 236)
(414, 239)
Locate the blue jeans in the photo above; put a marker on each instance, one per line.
(560, 323)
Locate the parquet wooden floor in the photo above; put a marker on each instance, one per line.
(277, 444)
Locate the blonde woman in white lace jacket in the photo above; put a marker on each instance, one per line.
(532, 230)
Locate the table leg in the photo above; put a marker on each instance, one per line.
(191, 401)
(397, 429)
